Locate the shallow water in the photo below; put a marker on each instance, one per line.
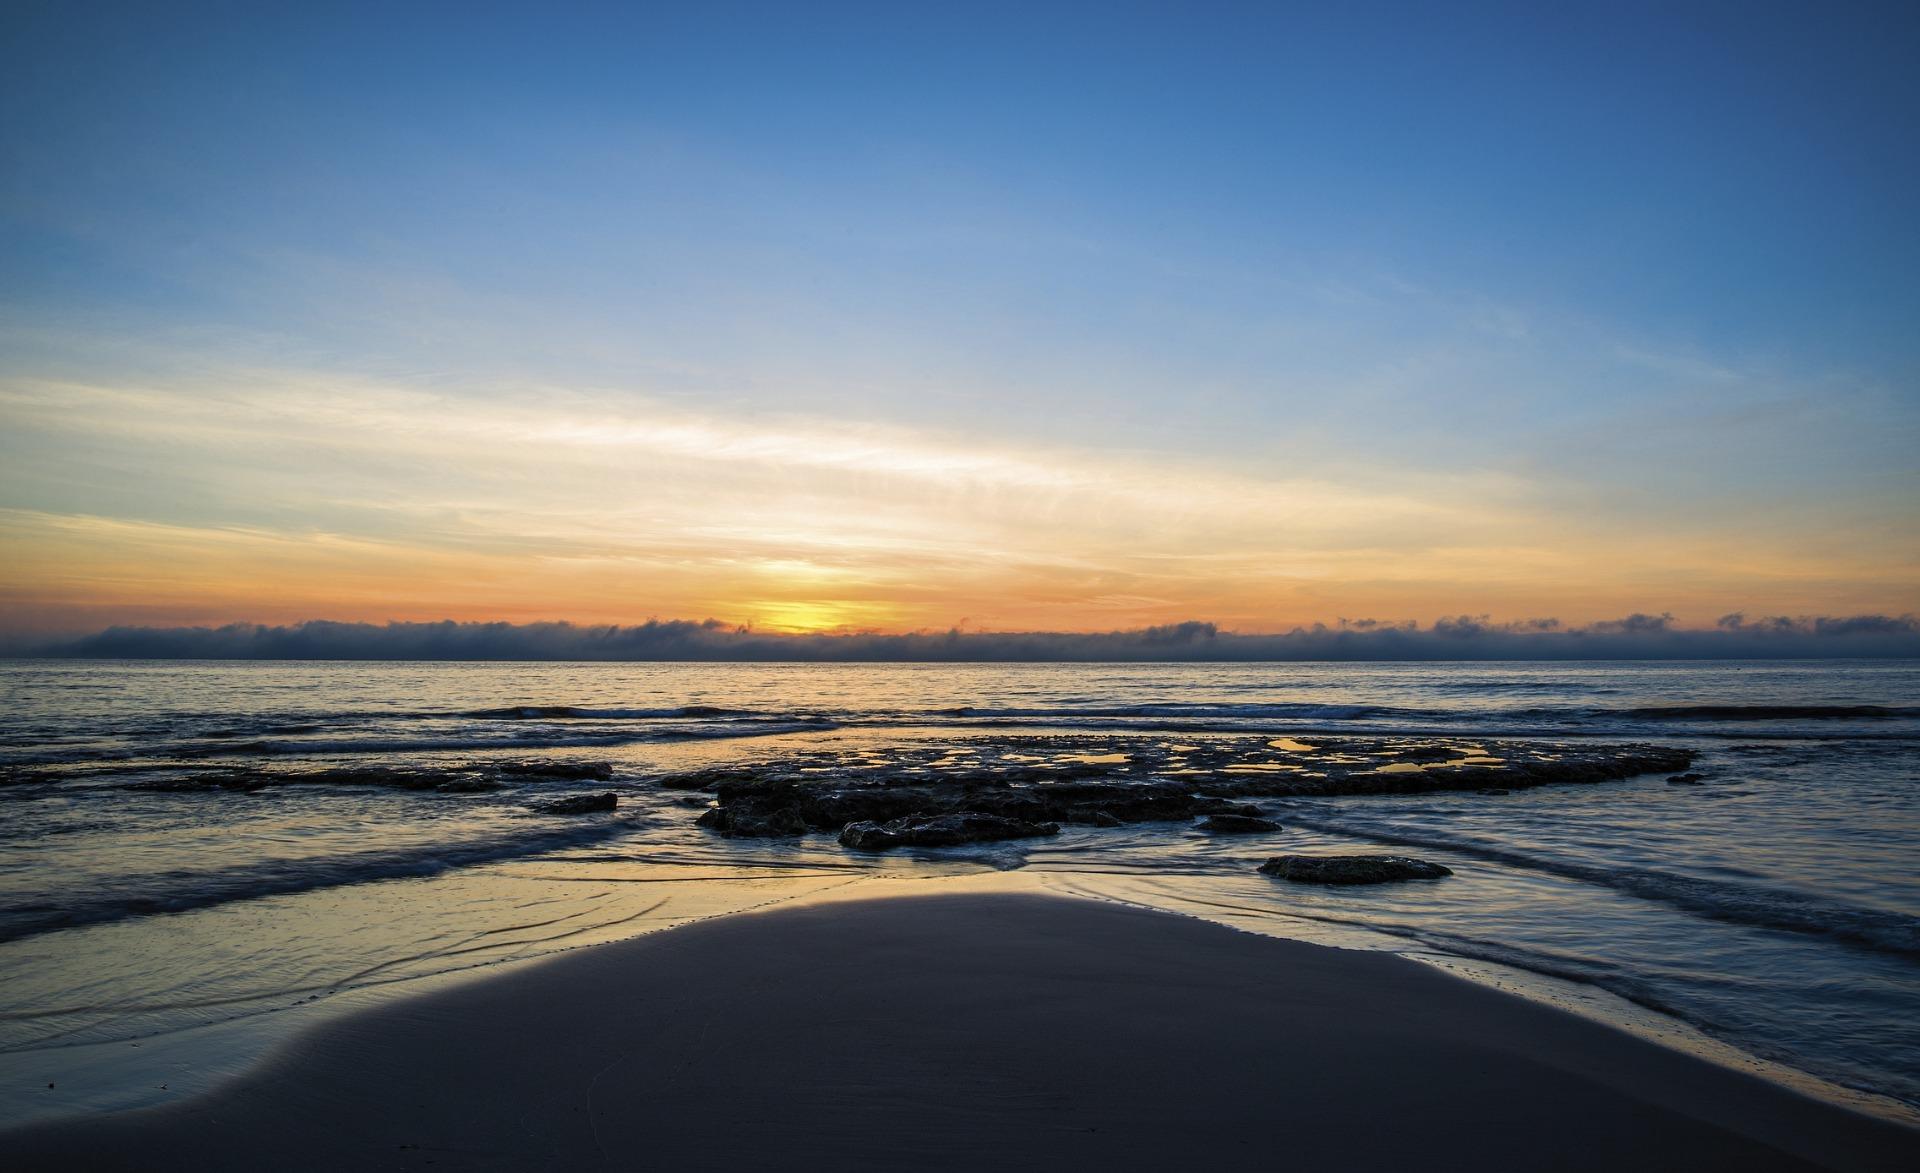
(1775, 905)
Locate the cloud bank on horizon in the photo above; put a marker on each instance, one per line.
(1638, 636)
(849, 318)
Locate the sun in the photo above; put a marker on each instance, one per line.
(801, 616)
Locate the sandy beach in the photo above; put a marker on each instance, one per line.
(973, 1032)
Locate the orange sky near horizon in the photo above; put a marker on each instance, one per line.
(362, 502)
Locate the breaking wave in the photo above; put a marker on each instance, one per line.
(580, 713)
(1770, 712)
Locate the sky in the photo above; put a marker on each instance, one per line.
(1009, 317)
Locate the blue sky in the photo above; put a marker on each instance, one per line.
(1620, 280)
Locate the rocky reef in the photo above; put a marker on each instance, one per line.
(777, 806)
(1112, 780)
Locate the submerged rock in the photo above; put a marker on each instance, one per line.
(468, 785)
(1352, 869)
(1687, 779)
(701, 779)
(1235, 825)
(385, 777)
(238, 782)
(940, 831)
(581, 804)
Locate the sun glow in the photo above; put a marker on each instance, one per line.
(312, 498)
(806, 617)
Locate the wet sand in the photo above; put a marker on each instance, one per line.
(965, 1032)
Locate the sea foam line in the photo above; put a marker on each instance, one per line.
(186, 891)
(1772, 908)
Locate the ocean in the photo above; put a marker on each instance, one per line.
(198, 857)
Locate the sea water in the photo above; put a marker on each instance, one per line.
(194, 855)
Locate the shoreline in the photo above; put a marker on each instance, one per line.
(1736, 902)
(962, 1016)
(1585, 1000)
(189, 1063)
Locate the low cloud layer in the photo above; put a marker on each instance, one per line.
(1462, 637)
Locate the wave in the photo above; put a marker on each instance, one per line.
(1172, 709)
(1749, 904)
(183, 891)
(1552, 687)
(1070, 711)
(350, 746)
(1770, 712)
(535, 727)
(1356, 712)
(579, 713)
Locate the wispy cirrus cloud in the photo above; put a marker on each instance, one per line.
(278, 495)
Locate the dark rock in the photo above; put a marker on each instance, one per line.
(819, 806)
(825, 790)
(1493, 790)
(739, 824)
(1130, 802)
(1220, 806)
(940, 831)
(388, 777)
(598, 771)
(1687, 779)
(580, 804)
(457, 779)
(1351, 869)
(1236, 825)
